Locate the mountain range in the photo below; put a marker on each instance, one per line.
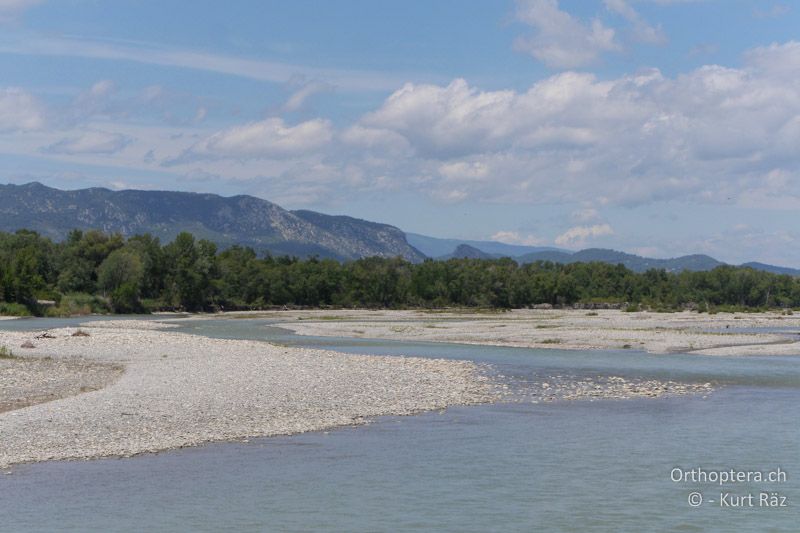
(244, 220)
(267, 227)
(454, 248)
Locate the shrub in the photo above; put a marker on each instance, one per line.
(78, 303)
(125, 299)
(13, 309)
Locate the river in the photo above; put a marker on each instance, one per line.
(569, 466)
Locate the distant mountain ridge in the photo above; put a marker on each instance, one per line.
(454, 248)
(265, 226)
(633, 262)
(437, 247)
(244, 220)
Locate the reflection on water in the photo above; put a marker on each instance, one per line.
(563, 466)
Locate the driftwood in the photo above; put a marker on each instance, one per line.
(45, 335)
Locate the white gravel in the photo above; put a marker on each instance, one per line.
(683, 332)
(181, 390)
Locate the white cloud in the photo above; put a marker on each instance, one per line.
(642, 31)
(90, 142)
(270, 138)
(703, 136)
(560, 40)
(774, 11)
(156, 54)
(587, 214)
(464, 171)
(11, 9)
(375, 138)
(302, 93)
(778, 60)
(19, 110)
(514, 237)
(579, 235)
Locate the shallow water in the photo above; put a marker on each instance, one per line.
(563, 466)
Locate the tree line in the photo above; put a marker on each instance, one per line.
(97, 272)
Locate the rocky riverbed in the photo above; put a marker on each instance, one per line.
(731, 334)
(570, 388)
(181, 390)
(124, 387)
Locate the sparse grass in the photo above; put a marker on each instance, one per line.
(5, 353)
(591, 313)
(466, 310)
(551, 341)
(80, 333)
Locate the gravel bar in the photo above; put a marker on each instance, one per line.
(726, 334)
(182, 390)
(28, 381)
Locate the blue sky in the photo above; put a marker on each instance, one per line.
(660, 127)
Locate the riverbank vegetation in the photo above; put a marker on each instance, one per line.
(93, 272)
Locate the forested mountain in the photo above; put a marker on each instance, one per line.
(243, 220)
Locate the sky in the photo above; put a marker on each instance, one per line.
(657, 127)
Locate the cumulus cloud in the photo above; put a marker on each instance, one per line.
(642, 30)
(560, 40)
(708, 135)
(514, 237)
(19, 110)
(579, 235)
(97, 100)
(90, 142)
(265, 139)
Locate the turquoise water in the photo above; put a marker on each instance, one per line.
(569, 466)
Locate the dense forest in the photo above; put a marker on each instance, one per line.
(95, 272)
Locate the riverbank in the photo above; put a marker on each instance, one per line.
(182, 390)
(685, 332)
